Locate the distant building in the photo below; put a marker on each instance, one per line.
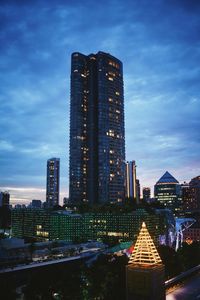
(36, 203)
(191, 235)
(22, 206)
(137, 190)
(4, 199)
(146, 193)
(97, 139)
(53, 182)
(5, 213)
(66, 201)
(167, 191)
(191, 195)
(131, 186)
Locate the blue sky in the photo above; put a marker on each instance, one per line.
(159, 45)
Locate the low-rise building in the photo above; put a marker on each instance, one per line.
(44, 225)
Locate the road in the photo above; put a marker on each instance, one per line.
(49, 262)
(189, 290)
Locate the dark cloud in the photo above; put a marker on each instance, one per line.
(157, 41)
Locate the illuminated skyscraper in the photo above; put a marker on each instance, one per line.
(131, 181)
(97, 143)
(53, 180)
(167, 191)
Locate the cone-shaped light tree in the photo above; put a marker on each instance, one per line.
(145, 271)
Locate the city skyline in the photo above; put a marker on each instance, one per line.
(159, 48)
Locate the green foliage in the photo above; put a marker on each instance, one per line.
(185, 258)
(171, 260)
(2, 235)
(63, 279)
(105, 279)
(128, 205)
(190, 254)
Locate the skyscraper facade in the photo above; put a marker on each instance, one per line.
(97, 142)
(53, 182)
(131, 181)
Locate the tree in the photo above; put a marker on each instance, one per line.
(190, 254)
(171, 260)
(32, 248)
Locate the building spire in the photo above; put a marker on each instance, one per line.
(145, 251)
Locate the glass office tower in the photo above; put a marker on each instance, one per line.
(53, 180)
(131, 185)
(97, 143)
(167, 191)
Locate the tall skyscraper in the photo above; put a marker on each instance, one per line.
(53, 182)
(131, 181)
(97, 142)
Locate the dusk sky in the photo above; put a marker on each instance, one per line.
(158, 42)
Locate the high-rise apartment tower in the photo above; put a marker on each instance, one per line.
(97, 143)
(53, 182)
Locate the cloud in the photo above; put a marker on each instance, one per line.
(159, 47)
(6, 146)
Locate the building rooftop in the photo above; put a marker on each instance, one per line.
(167, 178)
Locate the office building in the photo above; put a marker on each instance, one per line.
(42, 225)
(97, 143)
(138, 190)
(145, 274)
(131, 185)
(53, 182)
(167, 191)
(36, 203)
(191, 195)
(146, 194)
